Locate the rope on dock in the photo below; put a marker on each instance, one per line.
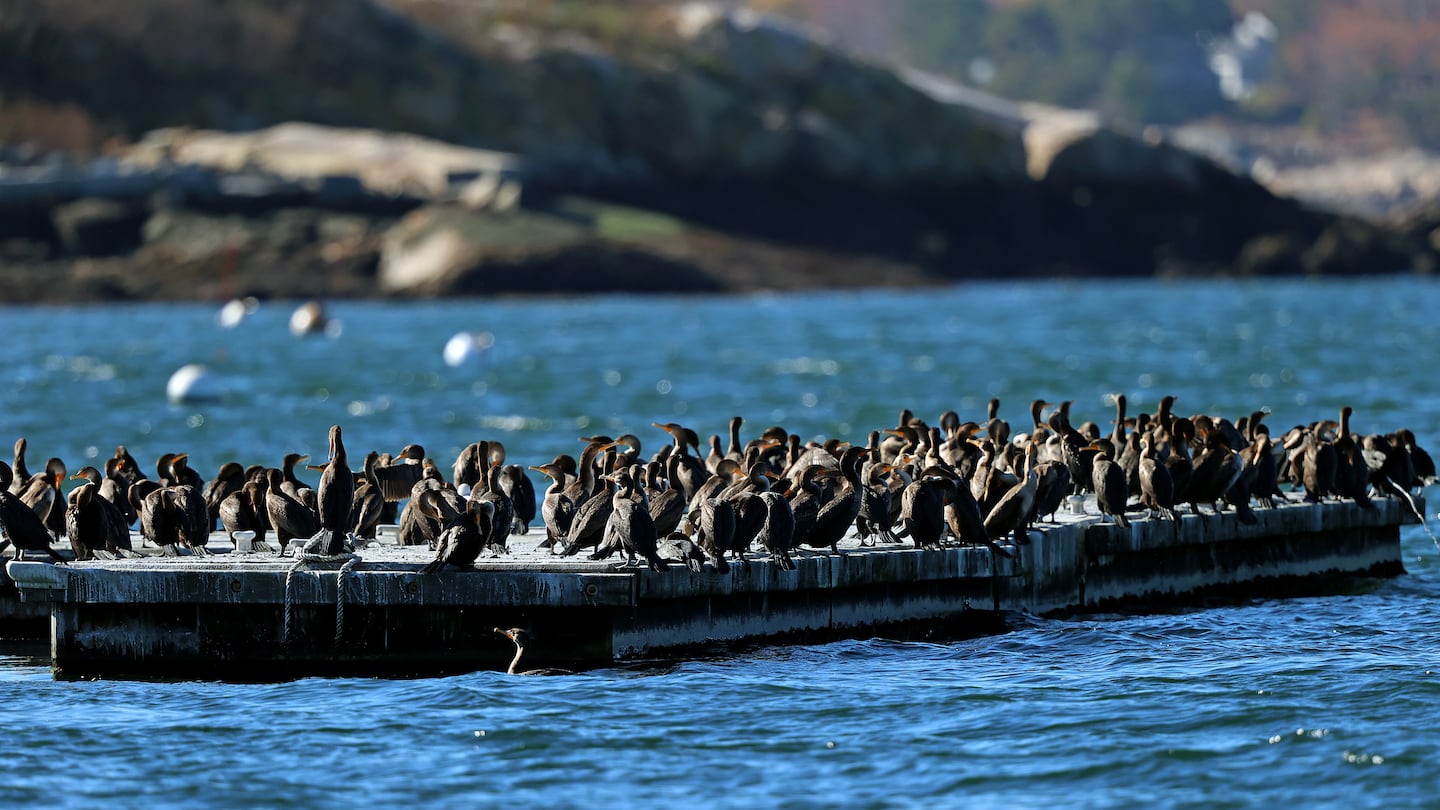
(340, 596)
(289, 604)
(302, 561)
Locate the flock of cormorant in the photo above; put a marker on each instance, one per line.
(968, 482)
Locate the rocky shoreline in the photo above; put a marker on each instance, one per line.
(733, 154)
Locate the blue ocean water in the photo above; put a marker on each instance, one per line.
(1322, 700)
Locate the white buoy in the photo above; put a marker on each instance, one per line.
(308, 319)
(235, 311)
(467, 347)
(193, 383)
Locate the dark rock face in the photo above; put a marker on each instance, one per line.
(735, 154)
(97, 227)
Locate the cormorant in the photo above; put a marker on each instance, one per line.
(715, 531)
(838, 514)
(368, 502)
(192, 520)
(556, 510)
(629, 527)
(1108, 481)
(23, 528)
(238, 513)
(521, 491)
(521, 638)
(96, 527)
(777, 534)
(462, 540)
(922, 510)
(289, 517)
(336, 494)
(502, 510)
(19, 471)
(228, 480)
(1157, 490)
(1015, 507)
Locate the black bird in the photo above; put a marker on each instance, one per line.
(1016, 506)
(114, 487)
(875, 516)
(288, 516)
(192, 519)
(838, 514)
(677, 547)
(293, 486)
(23, 528)
(1352, 475)
(418, 525)
(20, 473)
(715, 531)
(922, 510)
(183, 474)
(1214, 471)
(521, 491)
(42, 494)
(95, 526)
(462, 540)
(557, 511)
(727, 474)
(471, 466)
(667, 503)
(520, 639)
(159, 519)
(502, 510)
(962, 516)
(227, 481)
(1108, 480)
(805, 503)
(777, 534)
(691, 472)
(1157, 490)
(336, 494)
(587, 529)
(125, 469)
(398, 478)
(240, 511)
(629, 527)
(369, 501)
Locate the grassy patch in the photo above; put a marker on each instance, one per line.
(620, 222)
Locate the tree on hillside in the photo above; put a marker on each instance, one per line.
(1137, 60)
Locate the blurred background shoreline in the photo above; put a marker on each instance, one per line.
(194, 150)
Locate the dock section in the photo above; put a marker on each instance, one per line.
(258, 616)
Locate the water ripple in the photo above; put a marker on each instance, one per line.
(1263, 702)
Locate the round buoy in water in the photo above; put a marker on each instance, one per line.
(235, 311)
(308, 319)
(467, 347)
(192, 383)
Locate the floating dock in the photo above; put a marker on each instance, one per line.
(263, 617)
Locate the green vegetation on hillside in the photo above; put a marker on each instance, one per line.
(1136, 60)
(1361, 72)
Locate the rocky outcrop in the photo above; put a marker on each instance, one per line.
(708, 143)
